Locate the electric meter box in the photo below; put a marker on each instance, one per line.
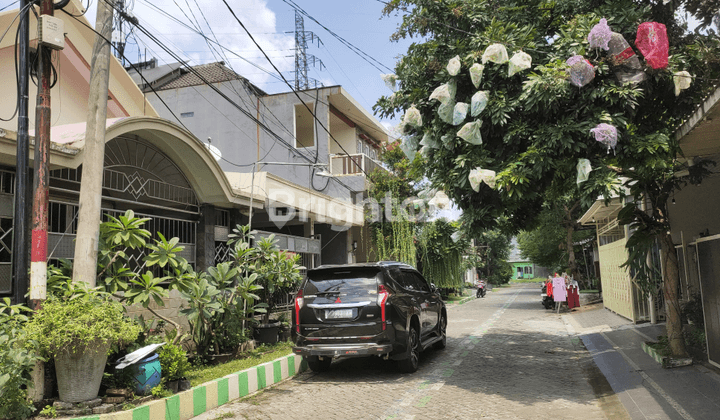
(51, 32)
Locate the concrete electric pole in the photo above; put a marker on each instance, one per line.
(86, 244)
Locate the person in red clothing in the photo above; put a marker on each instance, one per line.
(573, 296)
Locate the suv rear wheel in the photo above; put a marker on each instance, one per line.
(317, 364)
(410, 364)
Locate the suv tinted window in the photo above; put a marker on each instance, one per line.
(418, 281)
(346, 281)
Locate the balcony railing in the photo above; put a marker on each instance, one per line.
(355, 164)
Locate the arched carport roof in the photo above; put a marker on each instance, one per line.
(190, 155)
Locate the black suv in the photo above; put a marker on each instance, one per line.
(386, 309)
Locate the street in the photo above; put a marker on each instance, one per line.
(507, 358)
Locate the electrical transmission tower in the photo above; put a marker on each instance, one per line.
(302, 81)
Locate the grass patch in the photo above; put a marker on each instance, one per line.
(496, 286)
(590, 291)
(262, 354)
(535, 280)
(661, 346)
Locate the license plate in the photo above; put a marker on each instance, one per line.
(338, 313)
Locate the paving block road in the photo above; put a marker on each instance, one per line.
(506, 358)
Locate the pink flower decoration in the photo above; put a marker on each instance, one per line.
(599, 35)
(581, 71)
(605, 134)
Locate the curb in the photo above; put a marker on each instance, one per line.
(193, 402)
(665, 361)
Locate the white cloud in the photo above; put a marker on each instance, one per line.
(254, 14)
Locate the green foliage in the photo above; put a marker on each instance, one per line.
(80, 321)
(692, 310)
(546, 244)
(173, 362)
(49, 411)
(494, 248)
(160, 391)
(441, 257)
(17, 359)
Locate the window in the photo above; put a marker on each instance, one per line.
(358, 148)
(304, 126)
(187, 114)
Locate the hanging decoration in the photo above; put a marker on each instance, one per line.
(429, 141)
(606, 134)
(495, 53)
(412, 117)
(409, 147)
(447, 140)
(390, 81)
(583, 170)
(446, 110)
(581, 71)
(652, 41)
(682, 80)
(626, 63)
(453, 66)
(599, 35)
(520, 61)
(445, 92)
(478, 102)
(476, 72)
(440, 200)
(479, 175)
(456, 236)
(470, 132)
(459, 113)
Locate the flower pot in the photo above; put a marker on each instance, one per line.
(173, 386)
(267, 333)
(183, 385)
(285, 334)
(80, 370)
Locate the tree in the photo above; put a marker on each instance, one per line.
(536, 125)
(553, 234)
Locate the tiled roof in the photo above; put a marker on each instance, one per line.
(212, 73)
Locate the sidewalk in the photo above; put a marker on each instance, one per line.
(646, 390)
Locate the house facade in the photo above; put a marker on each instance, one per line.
(281, 145)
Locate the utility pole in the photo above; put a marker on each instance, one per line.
(38, 255)
(86, 244)
(20, 243)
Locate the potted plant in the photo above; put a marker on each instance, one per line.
(174, 364)
(77, 332)
(276, 271)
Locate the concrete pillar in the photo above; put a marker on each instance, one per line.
(205, 244)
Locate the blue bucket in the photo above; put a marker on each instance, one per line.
(147, 374)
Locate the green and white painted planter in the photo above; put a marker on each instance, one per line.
(205, 397)
(665, 361)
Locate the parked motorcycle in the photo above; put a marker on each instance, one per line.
(547, 301)
(480, 290)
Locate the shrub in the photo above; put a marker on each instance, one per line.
(17, 359)
(173, 362)
(82, 320)
(693, 310)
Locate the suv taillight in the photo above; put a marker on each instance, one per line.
(383, 295)
(299, 302)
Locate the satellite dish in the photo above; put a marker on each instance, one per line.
(214, 151)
